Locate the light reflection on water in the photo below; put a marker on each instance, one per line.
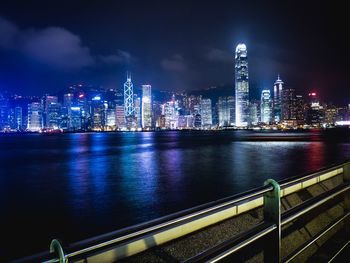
(89, 184)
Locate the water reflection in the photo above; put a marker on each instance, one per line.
(103, 181)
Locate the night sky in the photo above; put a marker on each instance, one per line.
(46, 46)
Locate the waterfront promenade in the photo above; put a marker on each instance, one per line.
(308, 222)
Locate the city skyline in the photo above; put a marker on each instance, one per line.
(43, 52)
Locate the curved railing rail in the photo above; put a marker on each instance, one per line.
(93, 246)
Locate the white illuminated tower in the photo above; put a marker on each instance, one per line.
(128, 97)
(266, 107)
(277, 99)
(241, 86)
(146, 107)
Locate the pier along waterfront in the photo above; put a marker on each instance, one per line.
(312, 210)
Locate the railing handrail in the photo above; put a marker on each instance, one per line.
(97, 243)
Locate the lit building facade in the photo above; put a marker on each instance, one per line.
(146, 107)
(288, 104)
(277, 99)
(241, 86)
(35, 117)
(226, 109)
(128, 97)
(266, 107)
(53, 115)
(206, 114)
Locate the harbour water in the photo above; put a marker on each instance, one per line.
(78, 185)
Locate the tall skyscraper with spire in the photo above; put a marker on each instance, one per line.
(128, 97)
(241, 86)
(277, 99)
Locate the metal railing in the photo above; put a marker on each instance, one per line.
(273, 222)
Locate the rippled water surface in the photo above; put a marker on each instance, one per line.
(74, 186)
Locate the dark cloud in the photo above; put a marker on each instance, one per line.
(56, 47)
(120, 57)
(218, 55)
(175, 64)
(8, 32)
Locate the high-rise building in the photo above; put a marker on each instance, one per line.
(288, 109)
(110, 119)
(53, 115)
(18, 118)
(97, 113)
(277, 99)
(299, 109)
(226, 111)
(314, 112)
(266, 106)
(253, 113)
(206, 113)
(46, 101)
(331, 113)
(35, 118)
(170, 110)
(128, 97)
(120, 117)
(241, 85)
(146, 107)
(4, 112)
(137, 113)
(75, 119)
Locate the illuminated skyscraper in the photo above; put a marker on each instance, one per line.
(146, 107)
(299, 109)
(266, 107)
(35, 118)
(128, 97)
(120, 117)
(277, 99)
(226, 111)
(206, 113)
(241, 85)
(288, 104)
(314, 112)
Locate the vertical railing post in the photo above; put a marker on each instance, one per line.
(272, 214)
(346, 172)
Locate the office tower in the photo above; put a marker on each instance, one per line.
(128, 97)
(97, 113)
(253, 113)
(226, 111)
(120, 117)
(314, 112)
(266, 107)
(277, 99)
(331, 113)
(288, 109)
(46, 101)
(146, 107)
(241, 85)
(191, 104)
(136, 120)
(111, 119)
(197, 121)
(299, 109)
(170, 110)
(4, 112)
(18, 118)
(206, 115)
(156, 112)
(66, 110)
(35, 118)
(81, 102)
(75, 123)
(53, 115)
